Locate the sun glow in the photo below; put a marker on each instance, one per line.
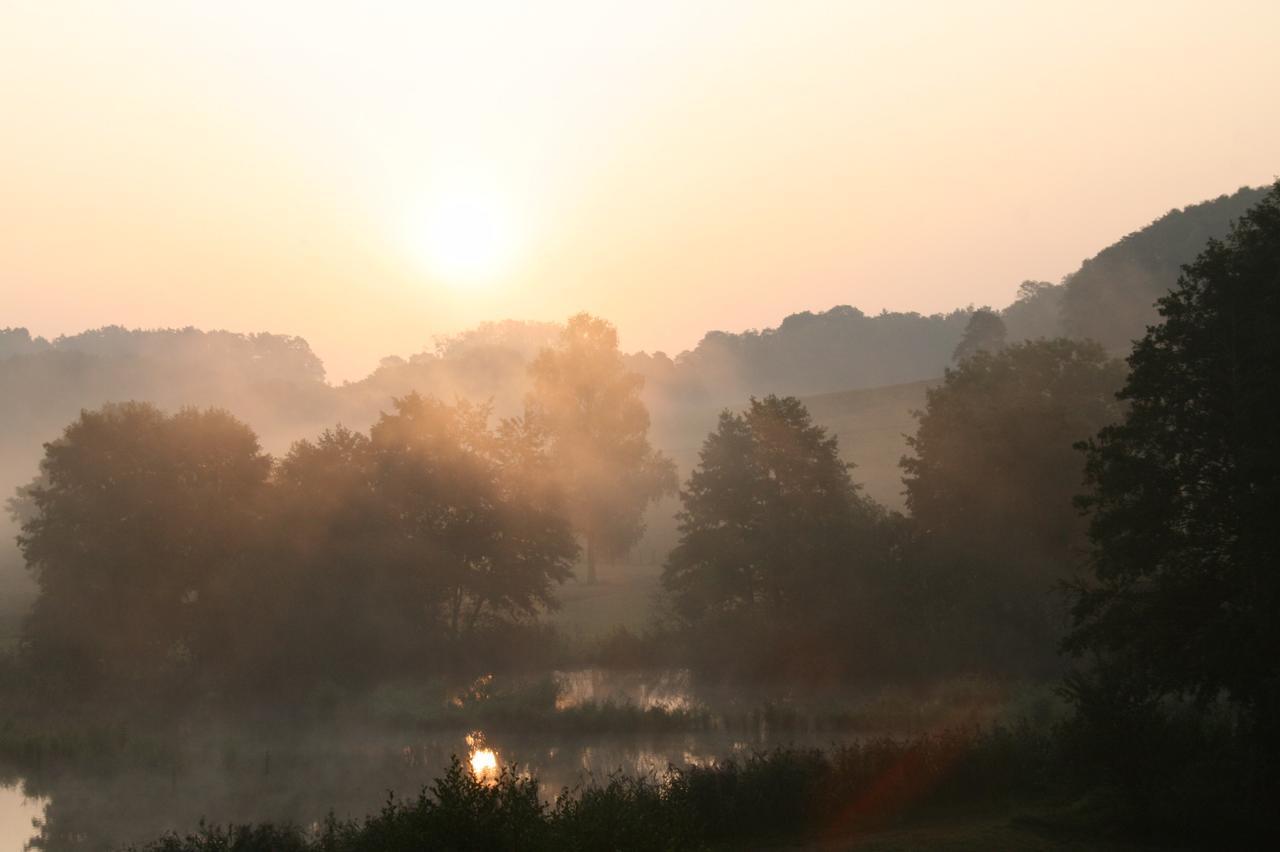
(467, 237)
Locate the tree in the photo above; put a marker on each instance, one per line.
(588, 404)
(337, 605)
(985, 332)
(993, 457)
(137, 520)
(990, 485)
(1183, 494)
(1036, 312)
(773, 529)
(473, 518)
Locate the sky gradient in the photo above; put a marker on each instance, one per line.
(672, 167)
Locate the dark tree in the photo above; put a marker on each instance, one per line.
(332, 604)
(773, 531)
(985, 332)
(993, 458)
(990, 487)
(1184, 493)
(138, 520)
(588, 404)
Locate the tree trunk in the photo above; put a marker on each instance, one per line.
(475, 613)
(591, 560)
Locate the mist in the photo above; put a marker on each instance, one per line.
(669, 427)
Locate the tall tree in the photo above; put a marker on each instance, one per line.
(338, 607)
(770, 516)
(137, 520)
(990, 485)
(774, 533)
(993, 467)
(472, 514)
(1183, 494)
(985, 332)
(588, 404)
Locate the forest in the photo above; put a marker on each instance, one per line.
(1062, 631)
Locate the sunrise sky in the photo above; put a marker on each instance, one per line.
(369, 176)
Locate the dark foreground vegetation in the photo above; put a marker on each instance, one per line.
(1025, 777)
(785, 794)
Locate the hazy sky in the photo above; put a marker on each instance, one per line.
(371, 175)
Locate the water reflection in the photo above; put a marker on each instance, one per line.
(663, 690)
(349, 771)
(298, 773)
(483, 760)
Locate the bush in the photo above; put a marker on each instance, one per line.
(777, 794)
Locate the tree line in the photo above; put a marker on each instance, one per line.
(1162, 591)
(171, 546)
(169, 549)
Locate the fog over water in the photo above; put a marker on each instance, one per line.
(287, 770)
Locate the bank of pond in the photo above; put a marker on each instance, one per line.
(104, 776)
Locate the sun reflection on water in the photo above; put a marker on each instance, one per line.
(484, 760)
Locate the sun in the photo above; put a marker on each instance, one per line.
(467, 238)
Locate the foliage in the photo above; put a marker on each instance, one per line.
(786, 793)
(990, 487)
(811, 353)
(168, 547)
(588, 404)
(137, 519)
(775, 538)
(1182, 498)
(1036, 312)
(985, 332)
(992, 458)
(473, 509)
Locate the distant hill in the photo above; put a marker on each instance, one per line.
(861, 374)
(815, 353)
(1111, 298)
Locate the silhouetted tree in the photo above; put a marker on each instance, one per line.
(1183, 495)
(331, 602)
(773, 530)
(138, 518)
(991, 482)
(985, 332)
(588, 404)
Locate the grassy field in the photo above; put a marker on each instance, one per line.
(872, 425)
(624, 597)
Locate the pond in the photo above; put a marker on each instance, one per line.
(300, 772)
